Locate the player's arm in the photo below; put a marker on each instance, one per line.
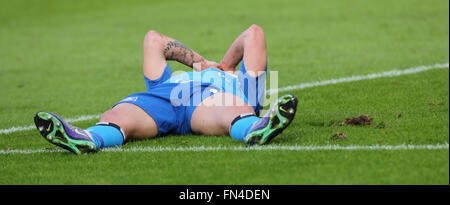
(175, 50)
(234, 54)
(249, 45)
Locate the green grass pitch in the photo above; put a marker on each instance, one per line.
(78, 58)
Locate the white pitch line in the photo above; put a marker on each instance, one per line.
(391, 73)
(241, 148)
(30, 127)
(301, 86)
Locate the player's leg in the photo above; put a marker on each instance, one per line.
(124, 121)
(135, 123)
(215, 120)
(240, 122)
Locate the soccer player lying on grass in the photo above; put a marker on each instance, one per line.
(203, 108)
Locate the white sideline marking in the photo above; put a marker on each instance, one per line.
(391, 73)
(30, 127)
(241, 148)
(301, 86)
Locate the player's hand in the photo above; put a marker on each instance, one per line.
(224, 68)
(204, 65)
(208, 64)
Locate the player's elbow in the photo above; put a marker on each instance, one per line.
(255, 32)
(255, 29)
(152, 34)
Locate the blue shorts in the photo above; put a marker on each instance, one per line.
(175, 117)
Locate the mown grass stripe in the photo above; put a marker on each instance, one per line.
(242, 148)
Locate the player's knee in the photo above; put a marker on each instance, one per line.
(109, 116)
(117, 118)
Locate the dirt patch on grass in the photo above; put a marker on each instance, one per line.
(362, 120)
(435, 102)
(338, 136)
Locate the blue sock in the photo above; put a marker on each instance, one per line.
(241, 125)
(106, 134)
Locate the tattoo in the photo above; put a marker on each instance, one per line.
(181, 53)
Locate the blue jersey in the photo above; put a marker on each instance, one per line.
(213, 80)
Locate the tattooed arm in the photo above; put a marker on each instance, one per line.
(175, 50)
